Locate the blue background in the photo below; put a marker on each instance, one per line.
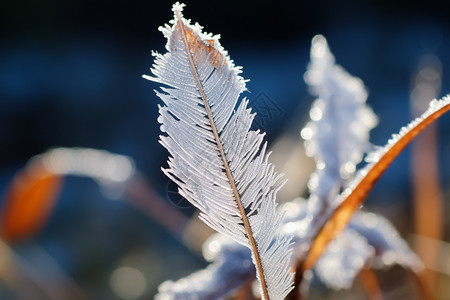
(70, 75)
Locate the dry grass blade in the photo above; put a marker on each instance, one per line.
(427, 192)
(28, 203)
(354, 197)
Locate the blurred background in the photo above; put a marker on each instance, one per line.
(70, 76)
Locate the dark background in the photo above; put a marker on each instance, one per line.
(70, 75)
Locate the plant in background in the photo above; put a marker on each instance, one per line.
(222, 169)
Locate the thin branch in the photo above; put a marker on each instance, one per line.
(370, 284)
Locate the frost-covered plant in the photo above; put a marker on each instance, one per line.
(221, 167)
(219, 164)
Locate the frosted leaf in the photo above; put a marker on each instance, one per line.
(352, 197)
(389, 246)
(219, 279)
(218, 162)
(343, 260)
(338, 134)
(228, 258)
(368, 239)
(300, 221)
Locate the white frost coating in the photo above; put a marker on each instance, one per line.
(231, 265)
(217, 244)
(219, 279)
(343, 259)
(195, 163)
(390, 247)
(369, 239)
(338, 134)
(373, 157)
(100, 165)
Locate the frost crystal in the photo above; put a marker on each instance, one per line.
(343, 260)
(338, 133)
(389, 246)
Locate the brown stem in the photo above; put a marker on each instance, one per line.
(428, 205)
(355, 197)
(370, 284)
(421, 284)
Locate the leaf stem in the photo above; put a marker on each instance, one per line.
(244, 218)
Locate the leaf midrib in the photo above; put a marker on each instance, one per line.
(244, 218)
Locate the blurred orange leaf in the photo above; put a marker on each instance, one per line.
(28, 202)
(355, 197)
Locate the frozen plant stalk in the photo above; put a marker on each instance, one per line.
(219, 164)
